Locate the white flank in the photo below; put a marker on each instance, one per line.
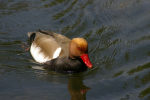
(37, 55)
(57, 52)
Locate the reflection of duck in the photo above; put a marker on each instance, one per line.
(58, 52)
(77, 89)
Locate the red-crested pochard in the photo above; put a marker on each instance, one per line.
(58, 52)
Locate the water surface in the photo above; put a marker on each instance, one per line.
(118, 33)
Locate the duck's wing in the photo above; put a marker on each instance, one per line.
(47, 45)
(62, 41)
(44, 47)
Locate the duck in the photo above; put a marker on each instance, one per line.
(59, 53)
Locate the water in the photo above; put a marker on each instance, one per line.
(118, 33)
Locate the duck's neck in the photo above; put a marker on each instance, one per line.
(71, 57)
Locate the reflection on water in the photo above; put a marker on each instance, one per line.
(76, 87)
(118, 34)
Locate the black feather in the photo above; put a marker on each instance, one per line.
(32, 37)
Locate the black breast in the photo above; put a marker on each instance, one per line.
(66, 64)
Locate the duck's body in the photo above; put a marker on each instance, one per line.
(58, 52)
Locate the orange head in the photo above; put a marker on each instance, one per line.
(78, 48)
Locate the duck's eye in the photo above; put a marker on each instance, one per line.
(79, 48)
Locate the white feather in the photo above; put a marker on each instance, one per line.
(37, 55)
(57, 52)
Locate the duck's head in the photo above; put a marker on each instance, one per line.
(78, 48)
